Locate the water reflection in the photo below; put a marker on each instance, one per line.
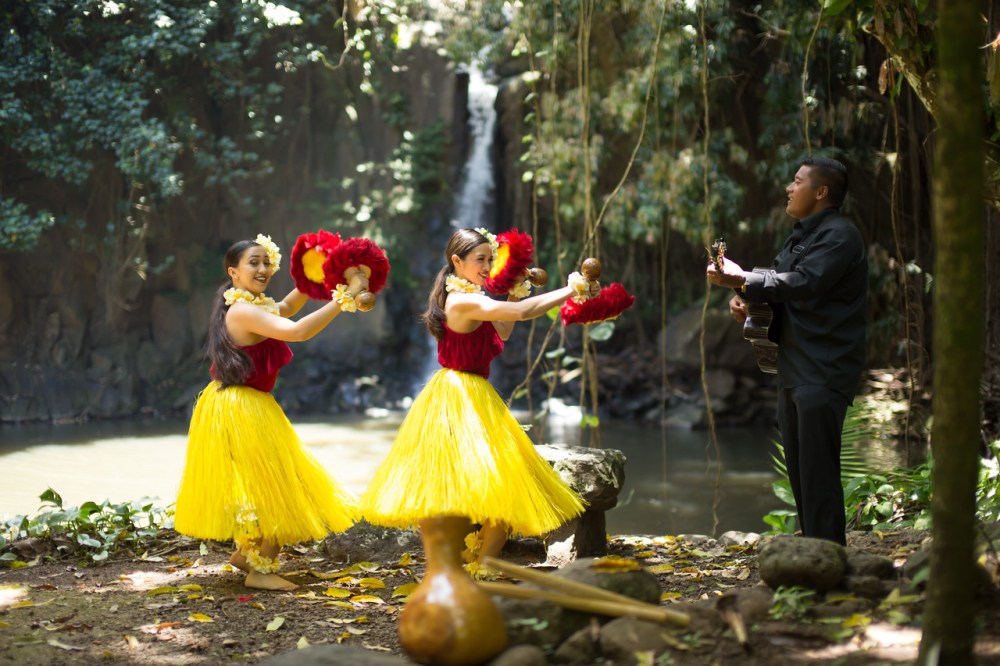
(673, 478)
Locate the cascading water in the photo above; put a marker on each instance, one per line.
(476, 194)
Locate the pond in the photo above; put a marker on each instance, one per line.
(673, 478)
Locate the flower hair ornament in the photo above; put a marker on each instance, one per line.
(581, 308)
(273, 253)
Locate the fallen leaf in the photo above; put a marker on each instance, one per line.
(344, 636)
(245, 598)
(4, 624)
(646, 553)
(257, 605)
(166, 589)
(371, 584)
(336, 593)
(404, 590)
(63, 646)
(661, 568)
(199, 617)
(275, 624)
(366, 599)
(133, 643)
(670, 596)
(405, 560)
(346, 580)
(191, 587)
(339, 604)
(302, 643)
(613, 563)
(379, 648)
(856, 620)
(21, 604)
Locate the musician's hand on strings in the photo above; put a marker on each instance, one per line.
(732, 275)
(738, 308)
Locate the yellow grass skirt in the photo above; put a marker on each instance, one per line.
(460, 451)
(248, 476)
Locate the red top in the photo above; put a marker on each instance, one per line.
(268, 357)
(470, 352)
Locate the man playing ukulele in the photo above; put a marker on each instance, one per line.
(818, 286)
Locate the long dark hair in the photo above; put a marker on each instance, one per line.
(462, 242)
(231, 364)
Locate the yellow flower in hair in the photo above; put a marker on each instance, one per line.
(273, 254)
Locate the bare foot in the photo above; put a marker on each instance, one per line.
(239, 561)
(269, 581)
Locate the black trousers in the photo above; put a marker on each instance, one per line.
(811, 419)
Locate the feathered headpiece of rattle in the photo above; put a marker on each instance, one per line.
(611, 302)
(320, 261)
(514, 253)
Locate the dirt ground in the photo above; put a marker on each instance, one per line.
(182, 604)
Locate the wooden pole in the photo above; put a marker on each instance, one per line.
(597, 606)
(577, 589)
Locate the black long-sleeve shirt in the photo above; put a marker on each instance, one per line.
(818, 284)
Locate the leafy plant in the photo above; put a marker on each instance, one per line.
(95, 529)
(791, 601)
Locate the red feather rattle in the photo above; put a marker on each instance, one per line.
(611, 302)
(322, 262)
(514, 254)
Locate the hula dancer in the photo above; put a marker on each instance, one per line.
(460, 451)
(248, 477)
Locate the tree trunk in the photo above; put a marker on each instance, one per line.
(958, 333)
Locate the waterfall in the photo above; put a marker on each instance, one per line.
(474, 199)
(476, 193)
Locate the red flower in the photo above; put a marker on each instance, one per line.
(612, 301)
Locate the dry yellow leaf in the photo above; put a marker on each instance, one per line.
(275, 624)
(339, 604)
(166, 589)
(4, 624)
(199, 617)
(856, 620)
(336, 593)
(661, 568)
(191, 587)
(302, 643)
(21, 604)
(404, 590)
(257, 605)
(646, 553)
(405, 560)
(371, 584)
(670, 596)
(346, 580)
(133, 643)
(615, 564)
(366, 599)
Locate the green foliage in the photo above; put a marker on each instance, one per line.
(791, 602)
(898, 498)
(98, 530)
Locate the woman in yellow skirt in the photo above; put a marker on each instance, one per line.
(460, 451)
(247, 476)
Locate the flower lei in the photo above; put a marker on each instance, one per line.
(257, 561)
(273, 254)
(522, 290)
(494, 244)
(345, 298)
(455, 284)
(233, 295)
(580, 286)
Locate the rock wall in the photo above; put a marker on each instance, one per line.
(83, 334)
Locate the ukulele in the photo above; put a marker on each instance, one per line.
(757, 327)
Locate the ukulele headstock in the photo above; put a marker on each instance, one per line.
(717, 252)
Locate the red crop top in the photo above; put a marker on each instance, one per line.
(470, 352)
(268, 357)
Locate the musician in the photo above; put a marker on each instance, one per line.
(817, 286)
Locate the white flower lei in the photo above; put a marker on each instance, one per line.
(494, 245)
(273, 254)
(580, 286)
(233, 294)
(345, 298)
(455, 284)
